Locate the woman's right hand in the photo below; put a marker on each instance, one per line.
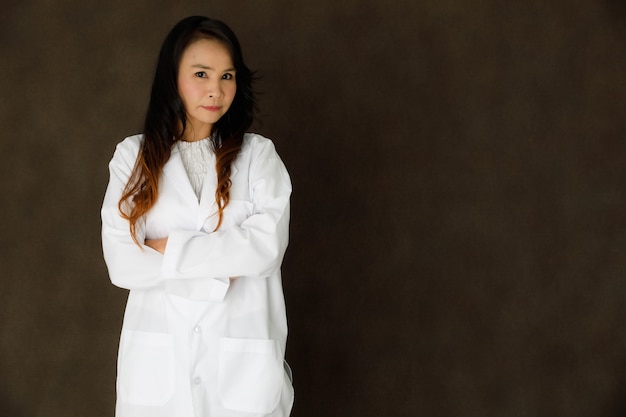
(157, 244)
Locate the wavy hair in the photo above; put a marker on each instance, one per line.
(166, 120)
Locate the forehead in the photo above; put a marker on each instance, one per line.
(206, 51)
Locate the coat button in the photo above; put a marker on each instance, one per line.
(197, 380)
(197, 329)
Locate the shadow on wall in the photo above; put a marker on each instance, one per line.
(620, 410)
(9, 408)
(616, 405)
(617, 7)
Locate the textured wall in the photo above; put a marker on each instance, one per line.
(458, 244)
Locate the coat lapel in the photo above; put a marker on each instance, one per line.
(207, 198)
(175, 174)
(174, 171)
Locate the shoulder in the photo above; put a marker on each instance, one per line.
(131, 144)
(126, 151)
(129, 147)
(261, 154)
(257, 144)
(254, 141)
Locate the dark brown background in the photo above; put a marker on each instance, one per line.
(458, 244)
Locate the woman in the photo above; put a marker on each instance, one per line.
(195, 224)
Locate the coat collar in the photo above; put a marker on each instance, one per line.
(174, 171)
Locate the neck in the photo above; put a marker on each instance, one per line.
(195, 138)
(194, 135)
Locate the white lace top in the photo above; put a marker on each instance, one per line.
(198, 159)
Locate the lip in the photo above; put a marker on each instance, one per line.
(212, 108)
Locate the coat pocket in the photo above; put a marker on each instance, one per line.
(145, 368)
(250, 375)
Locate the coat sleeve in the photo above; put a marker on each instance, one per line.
(130, 266)
(256, 247)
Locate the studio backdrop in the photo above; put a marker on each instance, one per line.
(457, 243)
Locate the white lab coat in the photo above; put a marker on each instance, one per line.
(169, 365)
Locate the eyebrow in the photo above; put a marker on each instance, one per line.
(210, 68)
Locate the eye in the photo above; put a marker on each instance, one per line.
(200, 74)
(228, 76)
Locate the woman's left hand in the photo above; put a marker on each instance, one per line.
(157, 244)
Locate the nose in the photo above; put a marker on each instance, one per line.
(214, 89)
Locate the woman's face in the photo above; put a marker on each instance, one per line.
(206, 85)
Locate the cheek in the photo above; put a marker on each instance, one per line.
(182, 92)
(186, 91)
(231, 92)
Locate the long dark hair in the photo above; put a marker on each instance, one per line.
(166, 119)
